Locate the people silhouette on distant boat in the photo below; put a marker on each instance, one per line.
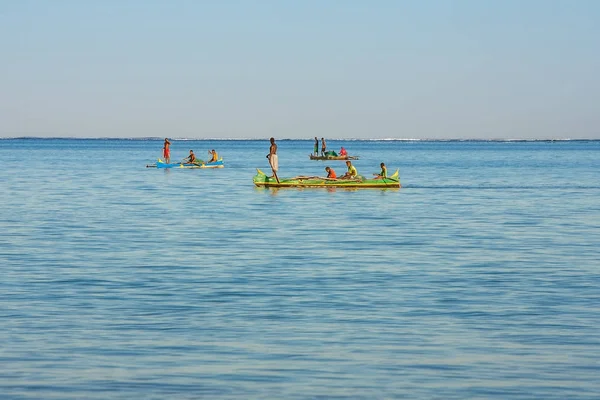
(316, 150)
(323, 146)
(167, 151)
(330, 173)
(383, 173)
(214, 157)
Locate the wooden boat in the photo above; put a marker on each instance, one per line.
(161, 164)
(326, 158)
(262, 180)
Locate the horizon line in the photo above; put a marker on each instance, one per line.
(383, 139)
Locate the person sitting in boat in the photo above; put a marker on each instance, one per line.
(191, 159)
(214, 157)
(383, 173)
(351, 173)
(330, 173)
(343, 152)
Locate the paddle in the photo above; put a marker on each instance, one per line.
(197, 161)
(271, 165)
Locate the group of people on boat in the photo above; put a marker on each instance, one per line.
(323, 146)
(352, 173)
(324, 152)
(191, 158)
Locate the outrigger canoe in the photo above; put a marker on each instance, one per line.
(325, 158)
(161, 164)
(262, 180)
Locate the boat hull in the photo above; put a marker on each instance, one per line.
(262, 180)
(162, 164)
(333, 158)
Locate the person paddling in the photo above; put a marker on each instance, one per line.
(191, 159)
(213, 156)
(383, 173)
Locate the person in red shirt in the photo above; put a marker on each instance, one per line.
(330, 173)
(167, 151)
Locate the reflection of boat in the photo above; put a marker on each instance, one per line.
(262, 180)
(342, 158)
(161, 164)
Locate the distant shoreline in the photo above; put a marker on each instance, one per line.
(297, 139)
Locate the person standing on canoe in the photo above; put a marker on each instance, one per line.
(330, 173)
(352, 173)
(167, 151)
(316, 152)
(273, 161)
(323, 146)
(383, 173)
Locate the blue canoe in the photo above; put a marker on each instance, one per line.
(161, 164)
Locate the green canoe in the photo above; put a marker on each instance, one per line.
(262, 180)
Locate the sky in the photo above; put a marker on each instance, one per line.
(421, 69)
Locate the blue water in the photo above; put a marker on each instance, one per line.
(480, 278)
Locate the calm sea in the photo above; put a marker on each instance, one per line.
(479, 279)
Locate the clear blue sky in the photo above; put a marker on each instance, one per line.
(299, 69)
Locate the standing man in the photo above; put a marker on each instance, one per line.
(273, 161)
(316, 146)
(167, 151)
(323, 146)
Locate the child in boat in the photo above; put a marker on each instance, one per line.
(191, 159)
(383, 173)
(343, 152)
(352, 172)
(213, 156)
(330, 173)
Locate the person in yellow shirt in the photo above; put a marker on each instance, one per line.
(213, 156)
(352, 173)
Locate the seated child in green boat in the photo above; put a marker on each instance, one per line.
(383, 173)
(330, 173)
(352, 173)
